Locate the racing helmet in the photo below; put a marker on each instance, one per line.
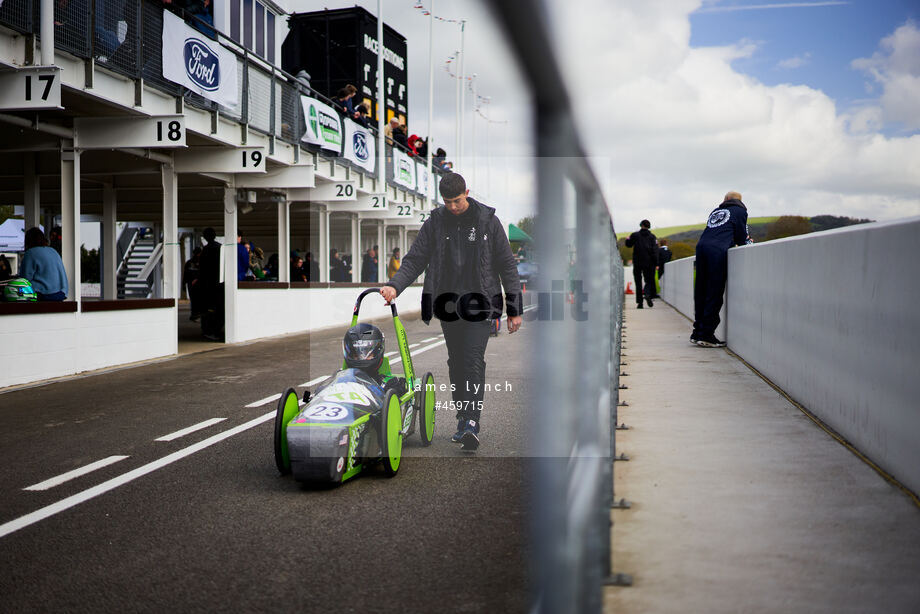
(18, 289)
(363, 347)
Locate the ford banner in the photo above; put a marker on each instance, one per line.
(200, 64)
(324, 128)
(359, 146)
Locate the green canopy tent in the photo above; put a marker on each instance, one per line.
(516, 234)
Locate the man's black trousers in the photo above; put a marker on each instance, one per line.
(711, 273)
(466, 351)
(648, 271)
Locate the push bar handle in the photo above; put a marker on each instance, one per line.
(372, 291)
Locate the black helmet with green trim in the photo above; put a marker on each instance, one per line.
(363, 347)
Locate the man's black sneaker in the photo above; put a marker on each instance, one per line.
(650, 303)
(710, 341)
(461, 427)
(469, 440)
(694, 340)
(639, 306)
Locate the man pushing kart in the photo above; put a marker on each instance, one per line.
(463, 248)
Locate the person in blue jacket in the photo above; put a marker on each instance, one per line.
(726, 228)
(42, 266)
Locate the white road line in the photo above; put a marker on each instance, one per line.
(394, 353)
(265, 401)
(95, 491)
(429, 339)
(65, 477)
(428, 347)
(191, 429)
(313, 382)
(414, 345)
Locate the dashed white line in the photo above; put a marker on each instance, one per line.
(394, 353)
(428, 347)
(414, 345)
(95, 491)
(191, 429)
(66, 477)
(429, 339)
(313, 382)
(265, 401)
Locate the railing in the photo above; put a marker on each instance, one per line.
(126, 38)
(575, 371)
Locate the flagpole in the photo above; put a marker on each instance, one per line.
(429, 142)
(381, 106)
(461, 86)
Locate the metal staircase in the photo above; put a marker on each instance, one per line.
(130, 282)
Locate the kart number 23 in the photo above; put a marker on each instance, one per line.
(327, 411)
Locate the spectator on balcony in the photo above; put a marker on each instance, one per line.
(411, 143)
(108, 13)
(312, 268)
(439, 161)
(399, 136)
(42, 266)
(390, 130)
(343, 100)
(421, 148)
(255, 263)
(361, 115)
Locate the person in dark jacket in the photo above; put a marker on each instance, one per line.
(312, 268)
(463, 248)
(645, 259)
(212, 291)
(338, 269)
(664, 256)
(726, 228)
(369, 266)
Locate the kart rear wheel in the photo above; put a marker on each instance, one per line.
(391, 438)
(288, 407)
(424, 403)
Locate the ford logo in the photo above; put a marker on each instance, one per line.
(360, 143)
(202, 65)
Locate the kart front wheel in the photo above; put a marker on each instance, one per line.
(288, 407)
(391, 438)
(424, 402)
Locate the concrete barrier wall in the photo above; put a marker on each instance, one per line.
(41, 346)
(833, 318)
(266, 313)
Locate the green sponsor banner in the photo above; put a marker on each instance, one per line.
(323, 125)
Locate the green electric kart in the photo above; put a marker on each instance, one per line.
(353, 420)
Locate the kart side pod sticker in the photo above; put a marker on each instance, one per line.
(347, 392)
(325, 412)
(353, 443)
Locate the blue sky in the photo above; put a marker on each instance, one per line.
(824, 38)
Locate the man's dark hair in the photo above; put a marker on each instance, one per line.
(34, 238)
(452, 185)
(645, 224)
(209, 234)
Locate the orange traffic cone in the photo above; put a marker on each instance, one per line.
(629, 289)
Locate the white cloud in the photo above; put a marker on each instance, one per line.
(896, 67)
(681, 126)
(795, 61)
(713, 8)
